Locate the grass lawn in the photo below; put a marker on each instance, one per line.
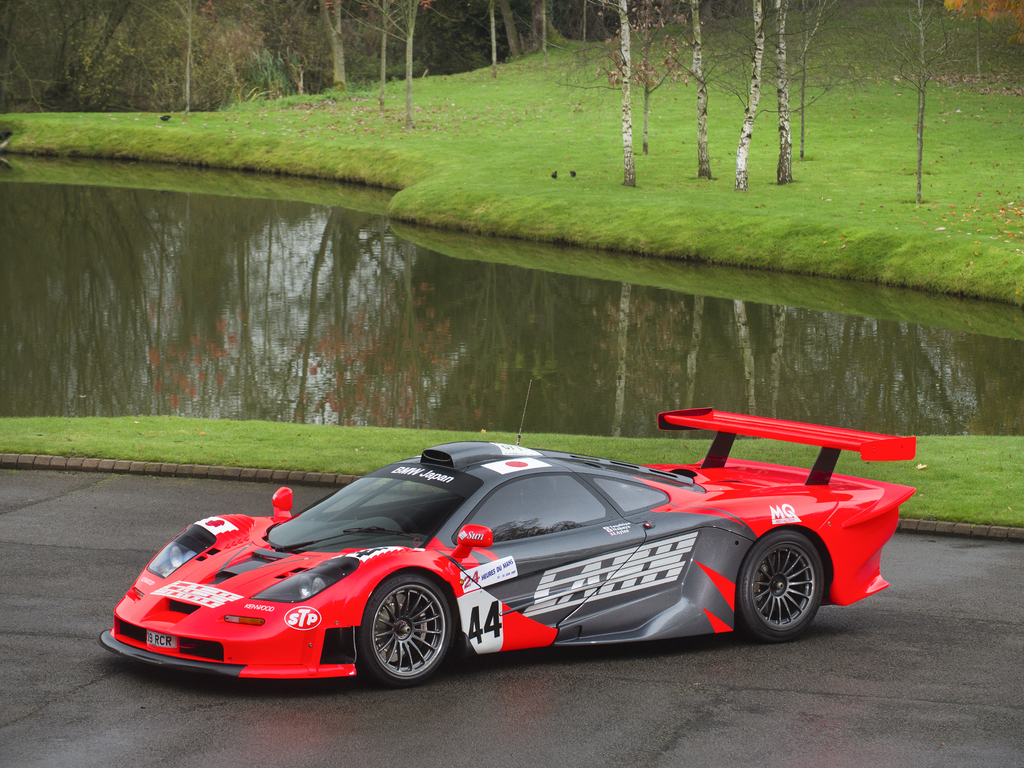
(970, 479)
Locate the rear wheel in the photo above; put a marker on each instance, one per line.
(780, 586)
(405, 631)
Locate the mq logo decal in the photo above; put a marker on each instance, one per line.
(784, 514)
(303, 617)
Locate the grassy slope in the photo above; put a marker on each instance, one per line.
(483, 150)
(963, 479)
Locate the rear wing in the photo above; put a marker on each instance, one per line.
(833, 440)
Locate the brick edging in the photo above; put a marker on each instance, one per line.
(332, 480)
(201, 471)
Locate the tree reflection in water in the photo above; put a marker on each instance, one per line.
(118, 302)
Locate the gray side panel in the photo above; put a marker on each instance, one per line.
(668, 607)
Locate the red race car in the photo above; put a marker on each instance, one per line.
(495, 547)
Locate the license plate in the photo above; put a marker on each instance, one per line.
(161, 641)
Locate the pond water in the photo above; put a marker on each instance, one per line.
(124, 301)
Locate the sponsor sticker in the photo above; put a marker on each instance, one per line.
(784, 514)
(515, 465)
(200, 594)
(423, 474)
(304, 617)
(489, 573)
(515, 450)
(618, 529)
(258, 607)
(217, 525)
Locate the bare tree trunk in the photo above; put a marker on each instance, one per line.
(188, 59)
(703, 158)
(977, 42)
(537, 23)
(629, 166)
(337, 44)
(544, 29)
(494, 42)
(510, 27)
(803, 91)
(920, 137)
(647, 112)
(408, 67)
(750, 112)
(383, 63)
(784, 172)
(923, 84)
(8, 46)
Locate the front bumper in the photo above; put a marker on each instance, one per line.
(273, 672)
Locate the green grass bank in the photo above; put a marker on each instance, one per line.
(483, 150)
(970, 479)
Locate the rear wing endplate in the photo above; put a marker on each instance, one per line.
(833, 440)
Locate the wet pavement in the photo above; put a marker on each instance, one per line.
(927, 673)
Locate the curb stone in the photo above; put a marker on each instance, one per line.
(200, 471)
(331, 480)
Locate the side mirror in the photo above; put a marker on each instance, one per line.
(472, 536)
(282, 504)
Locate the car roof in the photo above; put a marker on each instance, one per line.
(471, 455)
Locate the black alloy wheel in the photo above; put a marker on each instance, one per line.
(780, 586)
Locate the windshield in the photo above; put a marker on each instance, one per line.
(377, 510)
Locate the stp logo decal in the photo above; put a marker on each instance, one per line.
(303, 617)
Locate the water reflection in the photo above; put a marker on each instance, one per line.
(120, 301)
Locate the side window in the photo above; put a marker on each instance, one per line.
(631, 497)
(538, 504)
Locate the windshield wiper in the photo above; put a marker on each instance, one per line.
(346, 532)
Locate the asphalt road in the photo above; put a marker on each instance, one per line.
(928, 673)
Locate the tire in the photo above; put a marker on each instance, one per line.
(405, 632)
(780, 587)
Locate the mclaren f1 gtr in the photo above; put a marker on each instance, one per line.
(493, 547)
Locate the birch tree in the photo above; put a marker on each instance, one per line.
(754, 95)
(655, 53)
(401, 16)
(187, 10)
(919, 46)
(333, 30)
(629, 167)
(813, 17)
(784, 171)
(697, 68)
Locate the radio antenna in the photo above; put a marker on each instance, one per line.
(520, 435)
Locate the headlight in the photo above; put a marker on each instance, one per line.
(191, 542)
(303, 586)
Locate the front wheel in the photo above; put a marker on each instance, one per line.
(405, 631)
(780, 586)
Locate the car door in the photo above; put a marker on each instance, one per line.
(565, 539)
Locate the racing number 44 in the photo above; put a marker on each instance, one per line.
(491, 625)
